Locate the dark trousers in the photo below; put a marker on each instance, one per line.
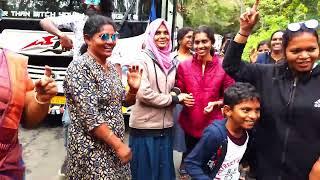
(190, 144)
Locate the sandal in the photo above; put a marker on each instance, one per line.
(183, 174)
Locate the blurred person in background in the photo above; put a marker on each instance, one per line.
(225, 43)
(276, 55)
(182, 53)
(262, 47)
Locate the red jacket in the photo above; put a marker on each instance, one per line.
(204, 88)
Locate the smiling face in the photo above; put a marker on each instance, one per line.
(302, 51)
(99, 47)
(263, 49)
(186, 41)
(243, 115)
(202, 44)
(161, 37)
(276, 41)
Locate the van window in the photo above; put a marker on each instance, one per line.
(39, 9)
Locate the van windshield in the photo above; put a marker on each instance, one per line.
(38, 9)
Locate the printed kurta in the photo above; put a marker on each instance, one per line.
(93, 97)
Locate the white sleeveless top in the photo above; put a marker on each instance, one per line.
(229, 169)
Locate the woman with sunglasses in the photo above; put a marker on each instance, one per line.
(94, 96)
(287, 136)
(151, 119)
(74, 23)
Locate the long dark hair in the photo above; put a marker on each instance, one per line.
(181, 33)
(93, 25)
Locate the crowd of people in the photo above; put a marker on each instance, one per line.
(221, 112)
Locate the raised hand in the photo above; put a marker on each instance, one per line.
(46, 87)
(134, 78)
(249, 19)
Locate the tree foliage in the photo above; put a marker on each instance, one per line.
(274, 15)
(277, 14)
(221, 15)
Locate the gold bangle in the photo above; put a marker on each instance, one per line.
(39, 102)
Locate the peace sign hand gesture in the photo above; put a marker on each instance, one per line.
(249, 19)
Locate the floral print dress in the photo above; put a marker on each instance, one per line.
(94, 97)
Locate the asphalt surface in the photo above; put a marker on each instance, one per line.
(43, 152)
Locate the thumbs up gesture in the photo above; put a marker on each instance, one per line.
(45, 87)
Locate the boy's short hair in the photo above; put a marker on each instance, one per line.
(239, 92)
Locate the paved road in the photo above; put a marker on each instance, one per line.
(43, 152)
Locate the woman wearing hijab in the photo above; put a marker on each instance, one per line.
(151, 119)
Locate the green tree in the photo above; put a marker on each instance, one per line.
(277, 14)
(221, 15)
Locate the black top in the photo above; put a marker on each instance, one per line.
(287, 135)
(266, 58)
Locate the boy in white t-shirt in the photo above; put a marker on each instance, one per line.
(224, 142)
